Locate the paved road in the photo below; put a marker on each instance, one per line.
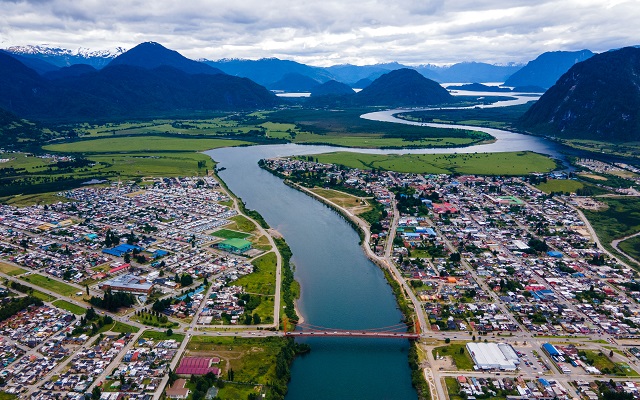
(616, 242)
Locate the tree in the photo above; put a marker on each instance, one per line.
(461, 350)
(87, 287)
(447, 340)
(127, 258)
(256, 319)
(611, 354)
(169, 332)
(96, 393)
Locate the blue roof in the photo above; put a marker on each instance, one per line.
(549, 348)
(544, 382)
(555, 254)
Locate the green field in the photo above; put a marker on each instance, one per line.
(377, 142)
(119, 327)
(153, 320)
(141, 144)
(252, 360)
(463, 361)
(631, 247)
(560, 185)
(11, 270)
(346, 128)
(263, 281)
(607, 366)
(155, 335)
(65, 305)
(453, 388)
(620, 219)
(514, 163)
(41, 295)
(495, 117)
(229, 234)
(52, 284)
(242, 223)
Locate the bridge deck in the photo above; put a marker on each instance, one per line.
(357, 334)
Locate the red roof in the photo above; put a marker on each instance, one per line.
(196, 366)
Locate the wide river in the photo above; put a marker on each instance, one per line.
(341, 288)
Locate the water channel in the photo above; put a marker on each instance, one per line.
(341, 288)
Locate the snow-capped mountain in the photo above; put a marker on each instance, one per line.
(66, 57)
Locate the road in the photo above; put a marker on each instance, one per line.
(616, 242)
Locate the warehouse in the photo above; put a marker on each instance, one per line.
(128, 284)
(491, 356)
(237, 246)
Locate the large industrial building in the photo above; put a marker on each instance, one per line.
(493, 356)
(129, 284)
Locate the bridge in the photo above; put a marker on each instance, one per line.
(398, 331)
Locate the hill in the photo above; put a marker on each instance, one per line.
(67, 72)
(16, 133)
(151, 55)
(294, 82)
(124, 91)
(402, 88)
(362, 83)
(596, 99)
(331, 88)
(268, 70)
(545, 70)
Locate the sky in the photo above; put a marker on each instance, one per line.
(328, 32)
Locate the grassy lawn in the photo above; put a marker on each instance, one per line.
(11, 270)
(453, 388)
(514, 163)
(65, 305)
(154, 335)
(560, 185)
(261, 243)
(152, 320)
(262, 281)
(341, 198)
(252, 360)
(229, 234)
(142, 143)
(119, 327)
(42, 296)
(463, 361)
(52, 284)
(631, 247)
(243, 224)
(600, 360)
(7, 396)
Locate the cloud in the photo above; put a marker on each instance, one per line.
(330, 31)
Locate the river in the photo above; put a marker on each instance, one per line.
(341, 288)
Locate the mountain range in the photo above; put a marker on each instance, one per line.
(268, 71)
(597, 99)
(148, 80)
(545, 70)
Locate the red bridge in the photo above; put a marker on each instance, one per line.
(398, 331)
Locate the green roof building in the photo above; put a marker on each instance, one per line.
(237, 246)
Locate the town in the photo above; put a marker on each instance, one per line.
(498, 269)
(118, 281)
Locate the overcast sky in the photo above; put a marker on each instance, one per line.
(327, 32)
